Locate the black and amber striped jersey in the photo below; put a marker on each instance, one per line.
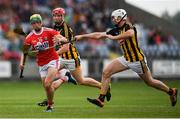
(130, 46)
(67, 32)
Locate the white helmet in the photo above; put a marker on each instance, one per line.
(119, 13)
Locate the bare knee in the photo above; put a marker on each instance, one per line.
(80, 82)
(47, 85)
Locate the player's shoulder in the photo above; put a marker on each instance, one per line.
(47, 29)
(68, 26)
(128, 26)
(29, 35)
(113, 31)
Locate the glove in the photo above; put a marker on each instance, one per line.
(40, 48)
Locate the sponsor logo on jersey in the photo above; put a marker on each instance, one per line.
(40, 39)
(42, 45)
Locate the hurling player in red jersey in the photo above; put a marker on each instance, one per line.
(42, 38)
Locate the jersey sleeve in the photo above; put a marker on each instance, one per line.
(27, 41)
(54, 32)
(70, 30)
(128, 27)
(113, 32)
(68, 33)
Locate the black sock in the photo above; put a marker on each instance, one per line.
(101, 97)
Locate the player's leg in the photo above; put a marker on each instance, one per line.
(61, 77)
(64, 75)
(87, 81)
(75, 68)
(55, 85)
(43, 73)
(49, 71)
(77, 74)
(48, 86)
(114, 67)
(150, 81)
(45, 101)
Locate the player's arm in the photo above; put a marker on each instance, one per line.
(128, 34)
(24, 55)
(60, 39)
(63, 49)
(95, 35)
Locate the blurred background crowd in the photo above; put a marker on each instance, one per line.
(84, 16)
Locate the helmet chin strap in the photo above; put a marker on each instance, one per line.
(120, 20)
(59, 23)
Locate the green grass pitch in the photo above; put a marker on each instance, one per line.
(129, 99)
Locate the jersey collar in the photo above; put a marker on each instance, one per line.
(42, 29)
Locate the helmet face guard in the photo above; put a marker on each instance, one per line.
(123, 17)
(113, 17)
(119, 14)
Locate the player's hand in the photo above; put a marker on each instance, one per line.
(40, 47)
(62, 40)
(56, 39)
(120, 41)
(110, 36)
(59, 39)
(21, 66)
(78, 37)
